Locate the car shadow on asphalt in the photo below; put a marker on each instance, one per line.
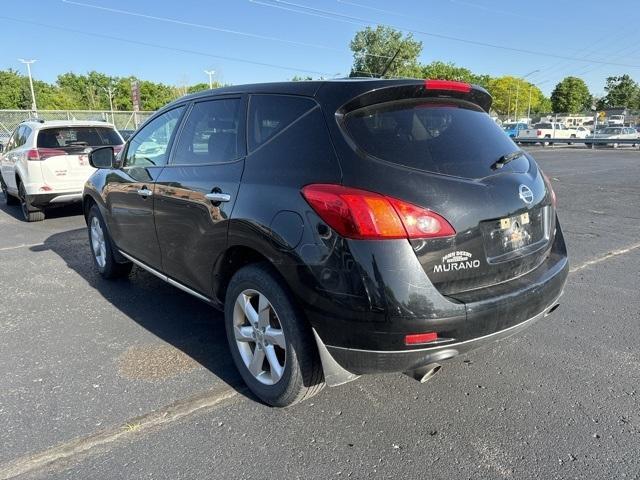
(177, 318)
(69, 210)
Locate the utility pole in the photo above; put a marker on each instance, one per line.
(28, 63)
(109, 91)
(211, 73)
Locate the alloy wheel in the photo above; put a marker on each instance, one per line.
(259, 337)
(98, 243)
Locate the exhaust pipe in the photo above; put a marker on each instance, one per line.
(423, 374)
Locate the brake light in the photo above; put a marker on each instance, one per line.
(538, 133)
(361, 214)
(39, 154)
(420, 338)
(447, 85)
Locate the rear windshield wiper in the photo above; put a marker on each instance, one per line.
(509, 157)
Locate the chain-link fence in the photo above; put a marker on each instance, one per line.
(629, 118)
(9, 119)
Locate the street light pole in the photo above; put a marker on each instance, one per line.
(518, 90)
(529, 109)
(211, 73)
(28, 63)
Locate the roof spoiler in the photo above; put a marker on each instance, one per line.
(422, 89)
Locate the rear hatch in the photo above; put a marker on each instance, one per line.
(63, 152)
(439, 149)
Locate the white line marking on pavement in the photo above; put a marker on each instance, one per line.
(606, 256)
(162, 416)
(24, 245)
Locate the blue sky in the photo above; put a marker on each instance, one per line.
(314, 42)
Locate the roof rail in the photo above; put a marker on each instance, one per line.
(39, 120)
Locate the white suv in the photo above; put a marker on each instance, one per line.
(45, 163)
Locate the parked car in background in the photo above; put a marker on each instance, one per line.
(512, 129)
(615, 120)
(582, 132)
(613, 133)
(125, 134)
(4, 139)
(45, 163)
(546, 132)
(344, 227)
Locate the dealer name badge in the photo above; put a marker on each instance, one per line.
(454, 261)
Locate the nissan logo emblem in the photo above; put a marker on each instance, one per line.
(525, 194)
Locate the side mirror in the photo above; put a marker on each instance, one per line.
(102, 157)
(1, 148)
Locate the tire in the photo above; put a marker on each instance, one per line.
(102, 248)
(282, 336)
(30, 213)
(8, 198)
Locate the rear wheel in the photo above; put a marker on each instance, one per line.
(271, 343)
(8, 198)
(102, 248)
(30, 213)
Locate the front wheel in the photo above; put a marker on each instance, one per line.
(102, 248)
(271, 343)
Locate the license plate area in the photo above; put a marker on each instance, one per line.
(516, 235)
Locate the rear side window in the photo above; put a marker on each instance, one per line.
(77, 137)
(451, 139)
(210, 133)
(270, 114)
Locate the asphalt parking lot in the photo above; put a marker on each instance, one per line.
(133, 379)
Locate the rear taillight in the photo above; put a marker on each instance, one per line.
(447, 85)
(361, 214)
(39, 154)
(538, 133)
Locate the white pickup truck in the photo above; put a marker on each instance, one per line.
(542, 131)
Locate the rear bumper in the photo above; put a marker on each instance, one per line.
(41, 200)
(377, 361)
(470, 320)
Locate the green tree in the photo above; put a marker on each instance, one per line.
(13, 93)
(450, 71)
(376, 48)
(622, 91)
(571, 95)
(510, 93)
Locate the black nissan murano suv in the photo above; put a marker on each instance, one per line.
(345, 227)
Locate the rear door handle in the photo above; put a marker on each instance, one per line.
(218, 197)
(145, 192)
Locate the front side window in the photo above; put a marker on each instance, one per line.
(211, 133)
(150, 145)
(270, 114)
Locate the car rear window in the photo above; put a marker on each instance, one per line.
(77, 137)
(451, 139)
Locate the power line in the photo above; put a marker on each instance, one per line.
(375, 9)
(306, 10)
(165, 47)
(209, 27)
